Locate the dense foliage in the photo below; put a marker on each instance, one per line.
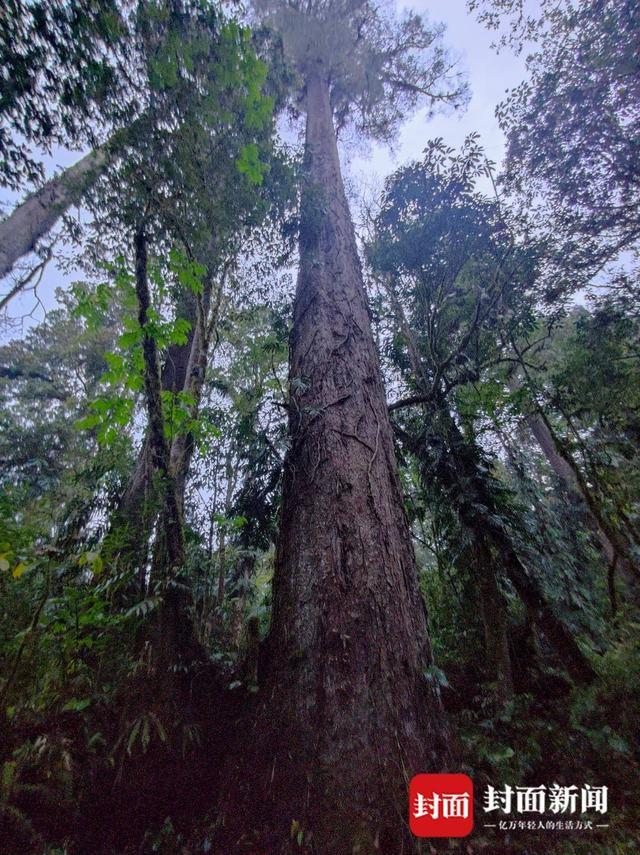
(146, 424)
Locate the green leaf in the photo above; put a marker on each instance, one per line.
(87, 422)
(249, 164)
(76, 705)
(19, 569)
(133, 735)
(500, 755)
(145, 734)
(437, 676)
(8, 772)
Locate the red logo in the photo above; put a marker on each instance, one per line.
(441, 805)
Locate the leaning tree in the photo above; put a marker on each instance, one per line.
(346, 714)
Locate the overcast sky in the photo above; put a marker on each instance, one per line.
(490, 76)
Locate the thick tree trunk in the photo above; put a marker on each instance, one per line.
(346, 714)
(38, 214)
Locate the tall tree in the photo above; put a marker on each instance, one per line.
(573, 126)
(457, 285)
(344, 696)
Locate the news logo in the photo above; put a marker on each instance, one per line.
(441, 805)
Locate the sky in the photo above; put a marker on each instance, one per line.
(490, 76)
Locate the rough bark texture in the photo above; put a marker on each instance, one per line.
(346, 714)
(38, 214)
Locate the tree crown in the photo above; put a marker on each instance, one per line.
(379, 66)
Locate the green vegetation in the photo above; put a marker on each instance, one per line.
(211, 620)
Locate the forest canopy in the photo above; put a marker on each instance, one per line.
(305, 492)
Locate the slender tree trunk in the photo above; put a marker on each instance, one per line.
(614, 544)
(244, 571)
(204, 322)
(230, 477)
(183, 370)
(494, 620)
(175, 644)
(346, 715)
(176, 628)
(478, 495)
(38, 214)
(127, 544)
(529, 591)
(469, 494)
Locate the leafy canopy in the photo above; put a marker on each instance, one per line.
(573, 127)
(66, 68)
(379, 67)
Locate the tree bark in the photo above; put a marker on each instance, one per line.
(127, 543)
(175, 646)
(160, 450)
(38, 214)
(346, 715)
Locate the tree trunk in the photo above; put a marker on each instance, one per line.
(457, 474)
(38, 214)
(614, 544)
(484, 527)
(346, 715)
(529, 591)
(483, 524)
(127, 543)
(494, 620)
(183, 370)
(175, 646)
